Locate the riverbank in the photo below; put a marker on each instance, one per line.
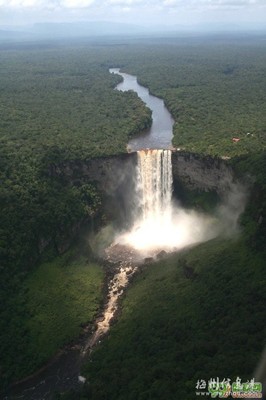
(61, 373)
(160, 133)
(60, 300)
(179, 324)
(44, 206)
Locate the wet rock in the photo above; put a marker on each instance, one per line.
(148, 260)
(161, 255)
(81, 379)
(100, 319)
(121, 254)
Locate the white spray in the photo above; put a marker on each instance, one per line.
(159, 225)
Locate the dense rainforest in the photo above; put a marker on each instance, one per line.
(58, 103)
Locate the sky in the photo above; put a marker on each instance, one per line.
(181, 13)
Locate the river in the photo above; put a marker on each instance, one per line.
(160, 134)
(63, 372)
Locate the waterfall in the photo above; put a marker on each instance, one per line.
(158, 223)
(154, 183)
(153, 223)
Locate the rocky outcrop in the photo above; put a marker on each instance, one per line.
(199, 172)
(109, 172)
(114, 174)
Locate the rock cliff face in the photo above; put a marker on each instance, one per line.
(107, 172)
(199, 172)
(114, 175)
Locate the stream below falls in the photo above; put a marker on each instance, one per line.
(62, 373)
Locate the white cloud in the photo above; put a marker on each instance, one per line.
(145, 12)
(45, 3)
(212, 3)
(130, 3)
(126, 9)
(76, 3)
(20, 3)
(125, 2)
(172, 3)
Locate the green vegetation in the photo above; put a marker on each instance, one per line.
(199, 314)
(60, 103)
(61, 297)
(56, 104)
(196, 315)
(215, 91)
(52, 305)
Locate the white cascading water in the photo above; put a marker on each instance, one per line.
(154, 183)
(159, 225)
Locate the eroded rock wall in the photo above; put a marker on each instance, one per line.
(199, 172)
(114, 175)
(107, 172)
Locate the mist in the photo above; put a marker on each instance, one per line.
(161, 223)
(232, 206)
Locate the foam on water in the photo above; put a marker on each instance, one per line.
(158, 223)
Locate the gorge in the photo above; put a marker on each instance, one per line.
(137, 191)
(97, 303)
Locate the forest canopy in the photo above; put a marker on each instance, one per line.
(58, 104)
(215, 91)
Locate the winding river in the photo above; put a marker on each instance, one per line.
(160, 134)
(63, 372)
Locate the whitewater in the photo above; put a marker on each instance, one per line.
(159, 222)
